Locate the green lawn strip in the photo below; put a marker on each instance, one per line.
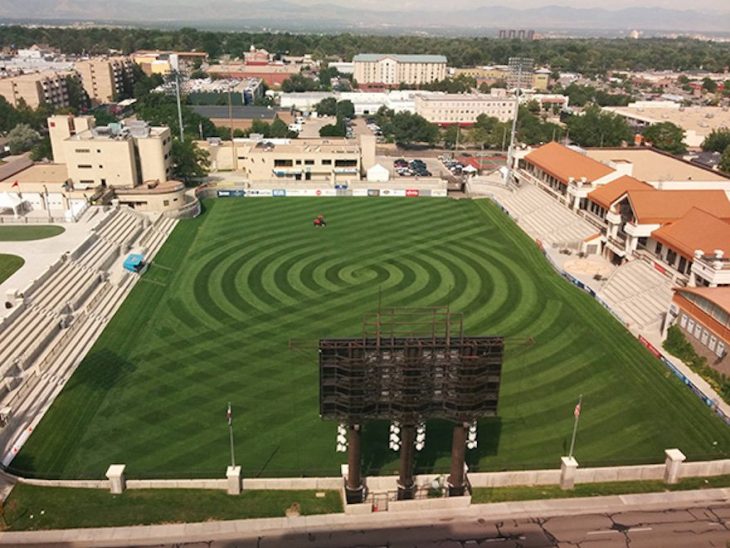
(244, 292)
(9, 264)
(22, 233)
(483, 495)
(32, 507)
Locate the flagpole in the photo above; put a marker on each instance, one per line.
(576, 413)
(230, 433)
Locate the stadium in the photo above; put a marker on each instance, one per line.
(234, 302)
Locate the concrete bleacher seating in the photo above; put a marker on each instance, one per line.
(61, 318)
(639, 294)
(546, 219)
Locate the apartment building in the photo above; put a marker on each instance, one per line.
(538, 80)
(388, 70)
(105, 78)
(118, 155)
(464, 109)
(35, 89)
(163, 62)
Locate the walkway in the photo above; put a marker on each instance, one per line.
(703, 512)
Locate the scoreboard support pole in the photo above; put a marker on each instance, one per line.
(354, 489)
(458, 459)
(406, 483)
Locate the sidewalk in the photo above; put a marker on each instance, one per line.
(253, 528)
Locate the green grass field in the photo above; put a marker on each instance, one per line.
(22, 233)
(32, 508)
(9, 265)
(212, 319)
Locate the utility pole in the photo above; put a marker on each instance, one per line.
(230, 124)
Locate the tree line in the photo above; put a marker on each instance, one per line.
(589, 56)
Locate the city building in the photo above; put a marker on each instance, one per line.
(520, 34)
(163, 62)
(646, 204)
(464, 109)
(365, 102)
(106, 78)
(703, 315)
(538, 80)
(342, 67)
(272, 74)
(331, 161)
(48, 87)
(697, 121)
(239, 117)
(118, 155)
(389, 70)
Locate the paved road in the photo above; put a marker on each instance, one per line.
(681, 528)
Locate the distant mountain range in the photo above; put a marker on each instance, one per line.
(290, 15)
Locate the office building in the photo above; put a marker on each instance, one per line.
(464, 109)
(388, 70)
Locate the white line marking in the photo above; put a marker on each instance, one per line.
(606, 532)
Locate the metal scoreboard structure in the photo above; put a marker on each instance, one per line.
(409, 366)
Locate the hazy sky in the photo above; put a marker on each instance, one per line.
(716, 5)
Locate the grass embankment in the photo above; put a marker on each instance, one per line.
(236, 300)
(9, 264)
(22, 233)
(483, 495)
(33, 508)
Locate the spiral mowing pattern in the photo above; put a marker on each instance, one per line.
(248, 289)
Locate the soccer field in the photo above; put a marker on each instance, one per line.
(212, 321)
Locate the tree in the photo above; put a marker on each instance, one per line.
(298, 83)
(337, 129)
(724, 164)
(103, 117)
(405, 128)
(161, 110)
(666, 136)
(77, 97)
(278, 129)
(345, 109)
(189, 161)
(22, 138)
(709, 85)
(198, 74)
(42, 150)
(595, 128)
(717, 141)
(326, 107)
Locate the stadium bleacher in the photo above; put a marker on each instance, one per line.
(60, 319)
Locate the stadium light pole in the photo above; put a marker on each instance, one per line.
(179, 106)
(518, 66)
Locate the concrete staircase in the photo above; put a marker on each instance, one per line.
(545, 219)
(639, 294)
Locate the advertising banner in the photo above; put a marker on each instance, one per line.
(231, 193)
(373, 192)
(412, 193)
(278, 192)
(439, 193)
(360, 192)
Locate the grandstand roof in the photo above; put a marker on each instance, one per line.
(607, 194)
(716, 295)
(696, 230)
(666, 206)
(563, 163)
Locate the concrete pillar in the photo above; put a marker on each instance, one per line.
(406, 483)
(673, 462)
(233, 475)
(458, 457)
(354, 489)
(568, 467)
(117, 481)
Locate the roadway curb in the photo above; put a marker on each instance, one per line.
(254, 528)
